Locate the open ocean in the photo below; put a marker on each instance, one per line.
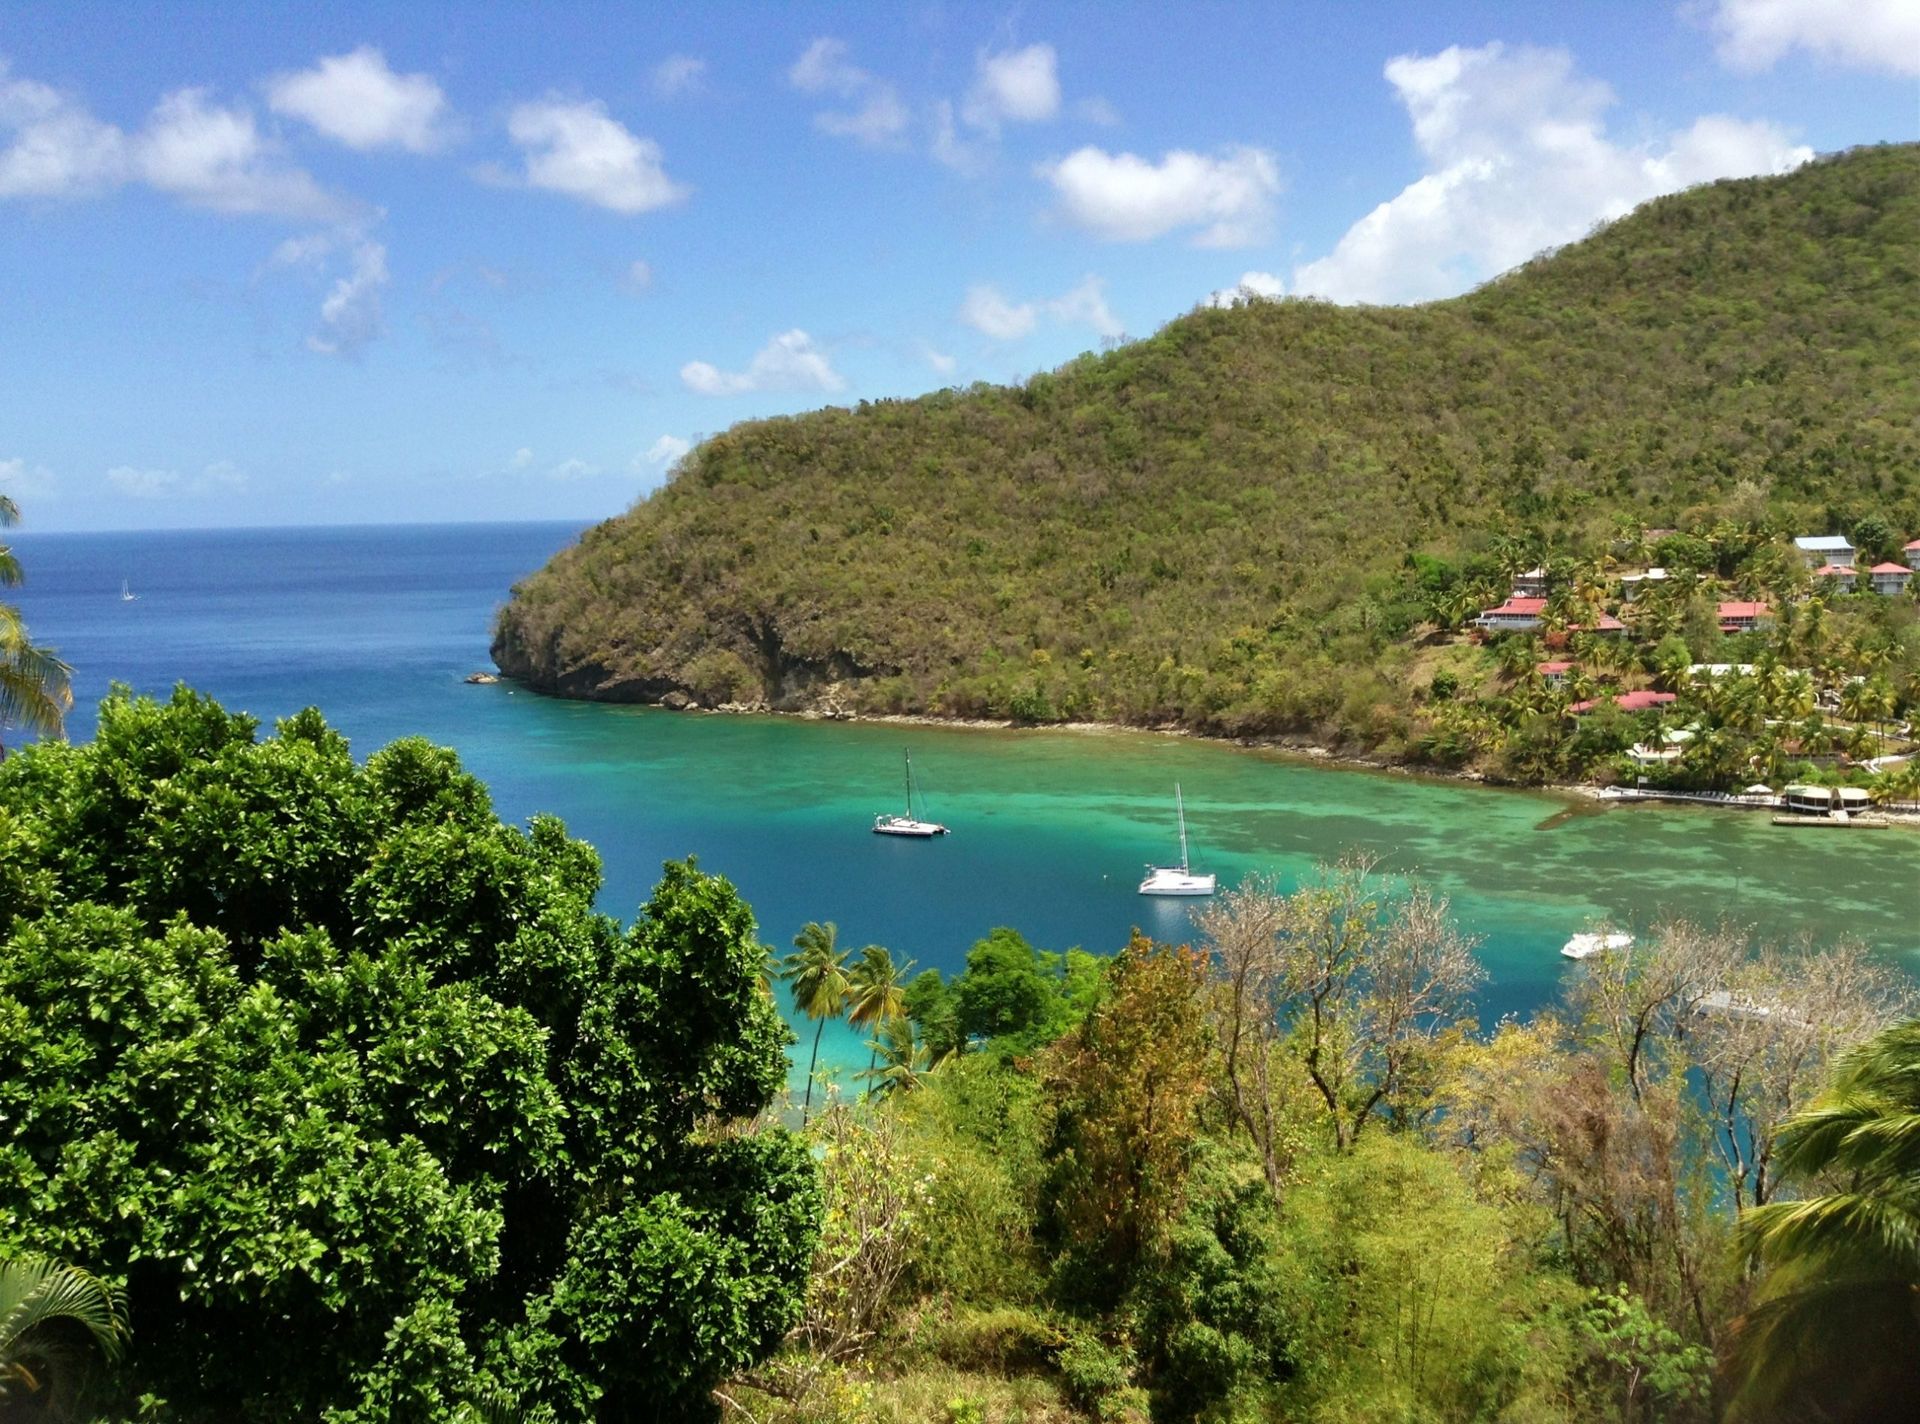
(378, 627)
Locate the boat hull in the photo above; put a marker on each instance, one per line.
(901, 826)
(1176, 882)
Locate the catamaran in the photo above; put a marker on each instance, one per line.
(1177, 879)
(907, 825)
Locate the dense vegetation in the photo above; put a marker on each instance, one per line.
(1282, 1175)
(349, 1093)
(1265, 520)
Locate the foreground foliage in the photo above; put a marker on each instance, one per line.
(369, 1114)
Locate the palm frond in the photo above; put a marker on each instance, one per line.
(36, 690)
(35, 1291)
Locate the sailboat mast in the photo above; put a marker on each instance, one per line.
(1181, 806)
(909, 757)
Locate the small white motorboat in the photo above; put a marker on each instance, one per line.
(1586, 946)
(1177, 879)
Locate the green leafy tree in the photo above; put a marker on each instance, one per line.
(817, 971)
(877, 995)
(1833, 1332)
(285, 1038)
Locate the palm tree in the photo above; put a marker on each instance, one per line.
(37, 1293)
(1834, 1323)
(36, 688)
(899, 1062)
(817, 970)
(878, 992)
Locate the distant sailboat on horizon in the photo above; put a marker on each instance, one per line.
(1177, 879)
(127, 595)
(909, 824)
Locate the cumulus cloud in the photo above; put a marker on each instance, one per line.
(1518, 160)
(678, 74)
(789, 362)
(54, 148)
(350, 315)
(576, 148)
(1862, 34)
(663, 453)
(939, 360)
(1021, 86)
(573, 469)
(355, 99)
(988, 311)
(637, 277)
(17, 477)
(520, 459)
(1251, 286)
(1227, 197)
(878, 118)
(215, 157)
(203, 153)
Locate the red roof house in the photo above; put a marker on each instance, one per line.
(1889, 578)
(1516, 615)
(1739, 617)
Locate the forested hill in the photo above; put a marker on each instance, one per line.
(1248, 522)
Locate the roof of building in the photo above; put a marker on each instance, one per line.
(1550, 669)
(1824, 542)
(1900, 569)
(1834, 571)
(1915, 545)
(1627, 701)
(1519, 607)
(1739, 609)
(1605, 623)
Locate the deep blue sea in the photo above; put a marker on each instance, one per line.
(379, 626)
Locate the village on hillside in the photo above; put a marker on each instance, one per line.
(1727, 666)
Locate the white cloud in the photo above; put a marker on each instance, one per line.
(308, 250)
(879, 118)
(214, 157)
(143, 484)
(357, 100)
(939, 360)
(679, 74)
(573, 469)
(1864, 34)
(1518, 160)
(575, 148)
(521, 458)
(350, 315)
(948, 147)
(987, 310)
(664, 452)
(789, 362)
(1124, 198)
(637, 277)
(1251, 285)
(1096, 111)
(18, 478)
(54, 147)
(1021, 86)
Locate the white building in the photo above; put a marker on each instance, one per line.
(1818, 549)
(1889, 579)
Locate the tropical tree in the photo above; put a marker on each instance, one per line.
(877, 993)
(817, 970)
(37, 1296)
(1833, 1333)
(36, 690)
(899, 1060)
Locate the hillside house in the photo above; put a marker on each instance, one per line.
(1912, 551)
(1531, 584)
(1836, 578)
(1741, 617)
(1602, 623)
(1822, 549)
(1516, 615)
(1639, 701)
(1554, 674)
(1889, 580)
(1632, 584)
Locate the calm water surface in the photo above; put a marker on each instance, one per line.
(378, 627)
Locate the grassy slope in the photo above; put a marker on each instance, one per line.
(1212, 526)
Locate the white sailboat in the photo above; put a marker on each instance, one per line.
(127, 595)
(1177, 879)
(909, 824)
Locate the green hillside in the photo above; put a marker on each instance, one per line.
(1264, 520)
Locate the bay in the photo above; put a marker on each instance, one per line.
(378, 626)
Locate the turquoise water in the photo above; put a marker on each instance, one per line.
(379, 626)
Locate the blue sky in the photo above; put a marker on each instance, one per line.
(418, 262)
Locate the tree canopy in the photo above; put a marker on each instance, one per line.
(367, 1111)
